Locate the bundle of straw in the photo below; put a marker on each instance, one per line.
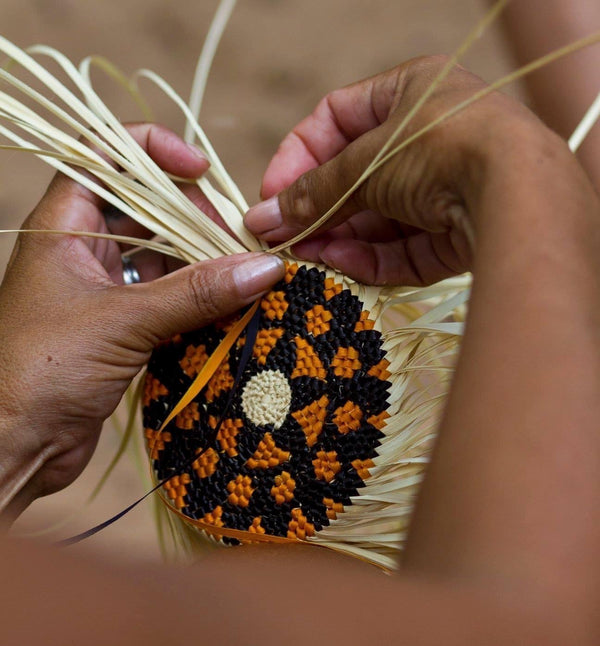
(400, 342)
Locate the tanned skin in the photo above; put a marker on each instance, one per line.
(504, 544)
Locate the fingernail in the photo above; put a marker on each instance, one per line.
(198, 152)
(256, 274)
(264, 216)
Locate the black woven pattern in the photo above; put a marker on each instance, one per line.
(368, 392)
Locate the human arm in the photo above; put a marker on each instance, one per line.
(509, 496)
(562, 92)
(273, 595)
(255, 595)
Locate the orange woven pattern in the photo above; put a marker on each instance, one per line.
(380, 370)
(311, 418)
(333, 508)
(153, 389)
(206, 464)
(308, 363)
(220, 382)
(265, 342)
(274, 305)
(195, 357)
(378, 421)
(156, 441)
(326, 465)
(227, 435)
(299, 436)
(214, 517)
(299, 526)
(348, 417)
(256, 527)
(176, 489)
(267, 454)
(332, 288)
(240, 491)
(317, 320)
(364, 322)
(188, 417)
(346, 362)
(362, 467)
(283, 490)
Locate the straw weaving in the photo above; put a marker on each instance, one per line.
(303, 428)
(321, 431)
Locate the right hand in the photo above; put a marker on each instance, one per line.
(413, 221)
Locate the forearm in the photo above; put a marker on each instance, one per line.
(512, 492)
(19, 462)
(256, 595)
(24, 414)
(561, 92)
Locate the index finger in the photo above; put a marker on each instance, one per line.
(162, 145)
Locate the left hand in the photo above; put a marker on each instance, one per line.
(74, 336)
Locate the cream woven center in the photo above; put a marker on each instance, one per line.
(266, 398)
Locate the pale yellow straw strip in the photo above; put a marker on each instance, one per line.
(138, 160)
(146, 211)
(211, 230)
(138, 242)
(592, 39)
(473, 35)
(587, 123)
(116, 74)
(509, 78)
(204, 232)
(211, 42)
(217, 169)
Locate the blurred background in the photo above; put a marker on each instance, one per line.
(276, 60)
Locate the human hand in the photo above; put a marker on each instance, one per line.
(412, 222)
(74, 336)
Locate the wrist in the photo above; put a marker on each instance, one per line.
(20, 460)
(530, 189)
(535, 222)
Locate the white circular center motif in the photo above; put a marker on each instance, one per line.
(266, 398)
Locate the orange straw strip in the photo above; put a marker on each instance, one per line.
(210, 367)
(208, 370)
(230, 533)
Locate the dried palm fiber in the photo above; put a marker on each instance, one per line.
(336, 458)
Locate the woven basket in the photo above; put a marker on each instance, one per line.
(326, 435)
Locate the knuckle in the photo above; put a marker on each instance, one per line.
(431, 64)
(437, 61)
(426, 68)
(204, 289)
(334, 99)
(298, 201)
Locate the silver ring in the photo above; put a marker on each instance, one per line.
(130, 273)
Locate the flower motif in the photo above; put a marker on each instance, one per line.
(302, 428)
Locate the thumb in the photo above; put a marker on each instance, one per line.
(308, 198)
(197, 295)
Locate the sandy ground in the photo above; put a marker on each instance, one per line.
(277, 59)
